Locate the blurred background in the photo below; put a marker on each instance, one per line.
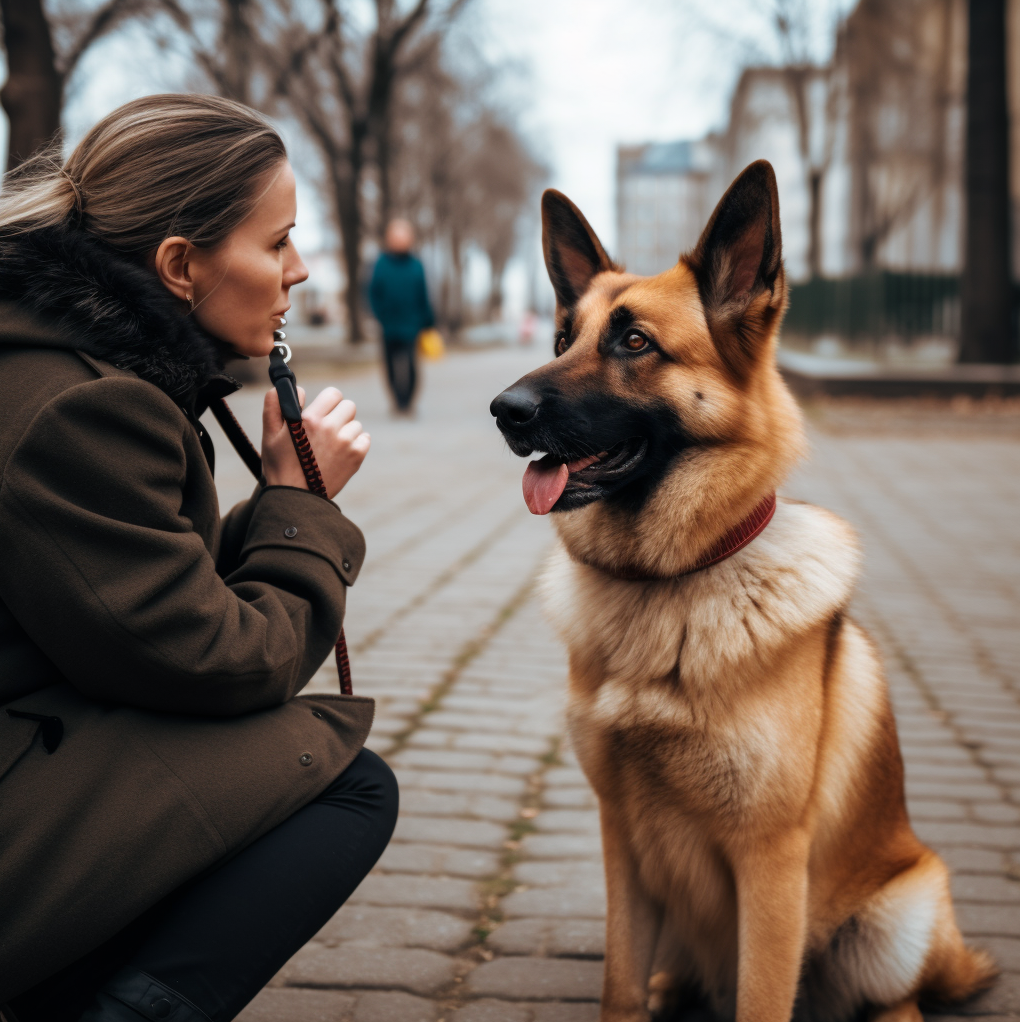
(889, 123)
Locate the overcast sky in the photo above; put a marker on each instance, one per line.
(583, 75)
(597, 73)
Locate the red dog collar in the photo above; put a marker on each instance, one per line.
(740, 535)
(736, 539)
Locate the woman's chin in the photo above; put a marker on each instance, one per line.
(253, 347)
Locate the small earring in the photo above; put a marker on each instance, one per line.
(191, 301)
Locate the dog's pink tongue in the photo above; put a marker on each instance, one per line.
(543, 485)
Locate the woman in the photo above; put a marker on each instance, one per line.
(174, 823)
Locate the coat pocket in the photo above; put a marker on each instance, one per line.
(16, 737)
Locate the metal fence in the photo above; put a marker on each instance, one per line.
(875, 308)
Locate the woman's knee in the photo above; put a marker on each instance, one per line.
(374, 775)
(368, 783)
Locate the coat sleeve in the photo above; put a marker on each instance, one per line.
(427, 317)
(377, 291)
(233, 530)
(108, 576)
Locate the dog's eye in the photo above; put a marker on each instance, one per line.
(561, 343)
(635, 342)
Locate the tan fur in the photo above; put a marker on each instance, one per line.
(734, 723)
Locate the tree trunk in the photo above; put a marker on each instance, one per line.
(383, 163)
(346, 187)
(455, 309)
(32, 95)
(814, 253)
(986, 328)
(238, 50)
(495, 310)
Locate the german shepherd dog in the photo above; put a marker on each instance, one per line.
(733, 720)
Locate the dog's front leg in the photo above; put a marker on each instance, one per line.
(633, 921)
(772, 887)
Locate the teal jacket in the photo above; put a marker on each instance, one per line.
(400, 300)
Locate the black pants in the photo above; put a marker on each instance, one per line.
(402, 371)
(221, 938)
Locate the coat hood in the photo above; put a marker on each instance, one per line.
(63, 288)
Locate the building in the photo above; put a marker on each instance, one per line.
(663, 194)
(868, 152)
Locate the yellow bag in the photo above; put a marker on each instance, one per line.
(430, 344)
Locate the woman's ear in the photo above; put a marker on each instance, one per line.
(172, 264)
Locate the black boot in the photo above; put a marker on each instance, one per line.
(132, 996)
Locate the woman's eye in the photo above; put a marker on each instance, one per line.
(283, 242)
(635, 342)
(561, 343)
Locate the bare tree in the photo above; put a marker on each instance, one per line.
(230, 50)
(502, 176)
(397, 131)
(895, 63)
(341, 88)
(462, 172)
(38, 70)
(986, 333)
(338, 83)
(429, 173)
(802, 79)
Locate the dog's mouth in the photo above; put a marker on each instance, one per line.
(570, 482)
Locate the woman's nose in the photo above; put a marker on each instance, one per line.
(295, 272)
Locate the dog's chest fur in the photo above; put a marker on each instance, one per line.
(685, 691)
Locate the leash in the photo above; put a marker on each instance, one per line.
(286, 387)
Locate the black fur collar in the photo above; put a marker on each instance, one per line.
(97, 300)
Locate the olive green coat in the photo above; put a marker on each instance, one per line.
(171, 645)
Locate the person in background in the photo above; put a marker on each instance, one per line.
(400, 302)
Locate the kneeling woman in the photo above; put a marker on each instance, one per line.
(174, 823)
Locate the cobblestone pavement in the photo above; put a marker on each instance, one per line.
(488, 904)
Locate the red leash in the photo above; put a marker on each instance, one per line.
(314, 479)
(286, 386)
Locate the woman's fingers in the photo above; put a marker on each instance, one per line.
(351, 431)
(340, 416)
(272, 417)
(324, 403)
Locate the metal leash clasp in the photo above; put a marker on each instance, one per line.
(283, 378)
(280, 346)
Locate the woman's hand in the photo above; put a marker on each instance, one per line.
(338, 441)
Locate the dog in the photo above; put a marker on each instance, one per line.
(732, 719)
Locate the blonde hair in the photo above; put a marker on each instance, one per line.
(156, 167)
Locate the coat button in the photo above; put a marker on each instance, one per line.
(315, 713)
(290, 532)
(161, 1008)
(347, 565)
(306, 759)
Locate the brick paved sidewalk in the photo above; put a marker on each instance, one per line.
(488, 905)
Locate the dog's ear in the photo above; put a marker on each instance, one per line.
(573, 252)
(738, 263)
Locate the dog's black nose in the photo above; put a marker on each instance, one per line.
(516, 406)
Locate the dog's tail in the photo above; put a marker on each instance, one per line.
(964, 972)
